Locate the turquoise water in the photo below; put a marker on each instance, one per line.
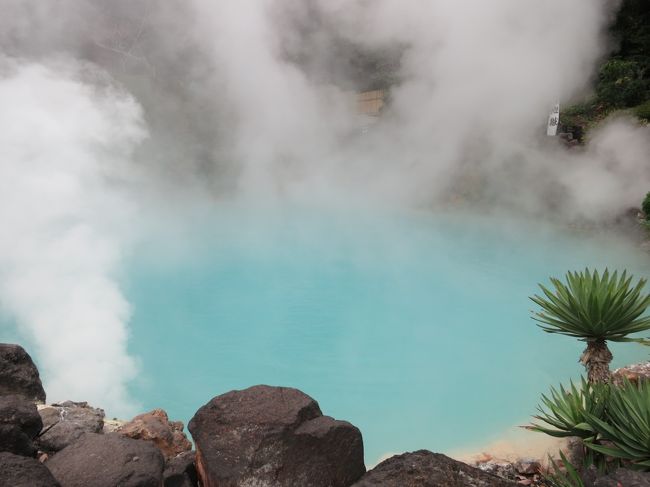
(413, 327)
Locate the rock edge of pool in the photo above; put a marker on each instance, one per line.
(262, 435)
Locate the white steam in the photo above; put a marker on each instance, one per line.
(476, 82)
(255, 99)
(63, 141)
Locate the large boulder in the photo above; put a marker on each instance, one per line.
(273, 437)
(425, 469)
(180, 471)
(66, 422)
(155, 426)
(107, 460)
(19, 471)
(18, 374)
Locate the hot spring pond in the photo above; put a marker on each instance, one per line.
(414, 327)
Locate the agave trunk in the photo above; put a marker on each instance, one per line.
(596, 359)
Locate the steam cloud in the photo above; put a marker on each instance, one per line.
(63, 141)
(114, 106)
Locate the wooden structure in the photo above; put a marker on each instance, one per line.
(370, 103)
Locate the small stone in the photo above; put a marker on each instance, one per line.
(528, 466)
(155, 426)
(484, 458)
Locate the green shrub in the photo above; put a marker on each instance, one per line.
(645, 206)
(566, 411)
(583, 114)
(621, 83)
(626, 426)
(643, 112)
(595, 309)
(568, 477)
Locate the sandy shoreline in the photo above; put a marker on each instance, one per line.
(515, 443)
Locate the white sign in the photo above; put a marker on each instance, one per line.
(553, 121)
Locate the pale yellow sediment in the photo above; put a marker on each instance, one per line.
(514, 444)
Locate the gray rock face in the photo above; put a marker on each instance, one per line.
(624, 477)
(273, 437)
(109, 460)
(19, 471)
(18, 374)
(64, 423)
(18, 411)
(180, 471)
(425, 469)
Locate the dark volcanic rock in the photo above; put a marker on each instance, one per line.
(624, 477)
(273, 436)
(156, 427)
(14, 440)
(180, 471)
(18, 374)
(18, 471)
(109, 460)
(18, 411)
(64, 423)
(19, 424)
(425, 469)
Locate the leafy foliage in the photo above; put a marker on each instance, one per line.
(623, 79)
(645, 206)
(594, 307)
(643, 111)
(621, 83)
(568, 477)
(626, 426)
(632, 31)
(567, 410)
(582, 115)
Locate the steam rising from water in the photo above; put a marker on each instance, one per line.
(65, 144)
(254, 100)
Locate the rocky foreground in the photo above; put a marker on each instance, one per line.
(259, 437)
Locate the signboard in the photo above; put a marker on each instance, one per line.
(553, 121)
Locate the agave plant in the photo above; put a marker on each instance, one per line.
(569, 477)
(566, 411)
(626, 429)
(595, 309)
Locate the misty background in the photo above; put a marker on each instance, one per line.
(119, 117)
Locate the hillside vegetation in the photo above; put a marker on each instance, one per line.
(623, 81)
